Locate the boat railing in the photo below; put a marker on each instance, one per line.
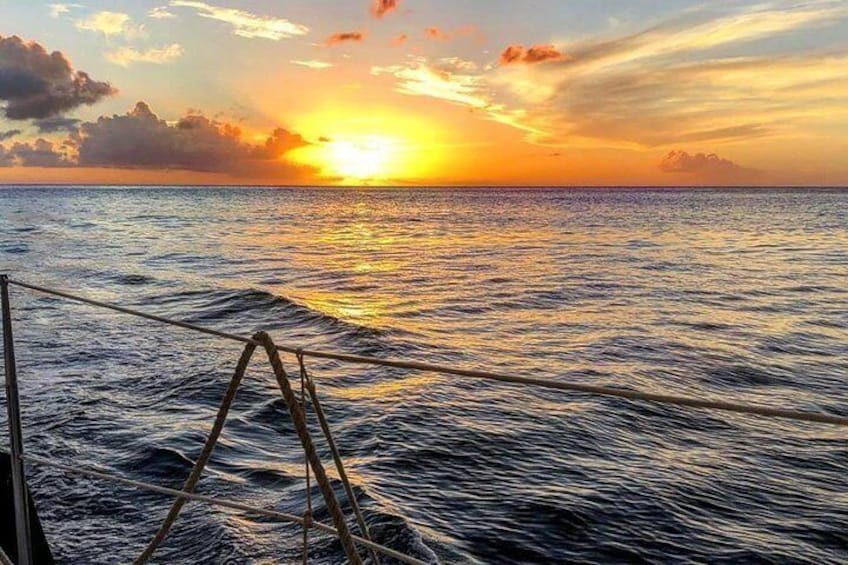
(298, 408)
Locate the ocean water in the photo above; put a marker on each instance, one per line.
(727, 294)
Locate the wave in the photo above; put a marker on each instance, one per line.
(258, 309)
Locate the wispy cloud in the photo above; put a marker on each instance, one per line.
(246, 24)
(312, 64)
(57, 10)
(111, 23)
(399, 39)
(451, 80)
(126, 56)
(690, 78)
(161, 13)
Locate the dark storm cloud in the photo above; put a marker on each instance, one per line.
(35, 84)
(57, 123)
(140, 140)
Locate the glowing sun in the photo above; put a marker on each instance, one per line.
(364, 158)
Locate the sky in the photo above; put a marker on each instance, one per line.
(414, 92)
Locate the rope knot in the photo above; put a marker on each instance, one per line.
(262, 337)
(307, 519)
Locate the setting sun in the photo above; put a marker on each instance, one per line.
(365, 158)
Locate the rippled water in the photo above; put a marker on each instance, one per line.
(726, 294)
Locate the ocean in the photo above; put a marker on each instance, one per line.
(735, 294)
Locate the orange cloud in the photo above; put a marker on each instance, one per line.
(399, 39)
(381, 7)
(536, 54)
(41, 153)
(436, 33)
(344, 36)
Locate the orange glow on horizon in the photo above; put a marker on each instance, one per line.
(384, 146)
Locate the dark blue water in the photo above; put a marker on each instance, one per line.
(733, 294)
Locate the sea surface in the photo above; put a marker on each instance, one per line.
(725, 294)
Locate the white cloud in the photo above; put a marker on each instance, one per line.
(160, 13)
(57, 10)
(246, 24)
(313, 64)
(451, 80)
(111, 23)
(127, 56)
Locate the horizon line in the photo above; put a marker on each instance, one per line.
(5, 185)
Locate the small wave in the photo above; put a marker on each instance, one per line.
(275, 312)
(124, 279)
(743, 375)
(168, 466)
(14, 248)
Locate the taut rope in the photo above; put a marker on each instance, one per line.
(325, 427)
(309, 448)
(297, 411)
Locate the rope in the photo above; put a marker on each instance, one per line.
(307, 516)
(325, 427)
(205, 454)
(309, 448)
(281, 516)
(132, 312)
(629, 394)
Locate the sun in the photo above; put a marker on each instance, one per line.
(359, 159)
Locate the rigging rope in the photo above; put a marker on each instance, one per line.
(307, 515)
(325, 427)
(309, 448)
(282, 516)
(298, 415)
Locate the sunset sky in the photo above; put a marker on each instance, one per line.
(413, 92)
